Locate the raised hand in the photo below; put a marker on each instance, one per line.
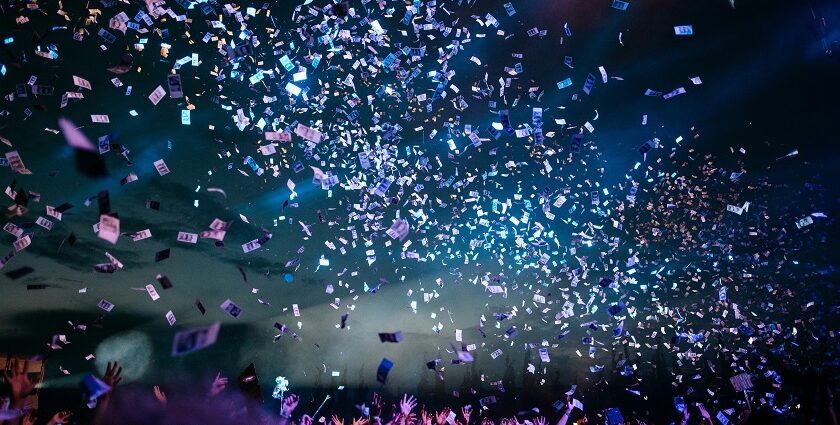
(159, 395)
(465, 412)
(112, 377)
(441, 416)
(377, 404)
(425, 418)
(29, 419)
(19, 383)
(411, 418)
(218, 385)
(113, 374)
(407, 404)
(60, 418)
(306, 420)
(539, 421)
(337, 421)
(361, 421)
(289, 404)
(703, 412)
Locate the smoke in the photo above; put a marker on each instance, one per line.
(134, 405)
(133, 351)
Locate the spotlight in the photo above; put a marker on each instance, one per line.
(133, 350)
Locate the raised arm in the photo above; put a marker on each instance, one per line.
(289, 405)
(60, 418)
(568, 412)
(707, 418)
(112, 377)
(21, 387)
